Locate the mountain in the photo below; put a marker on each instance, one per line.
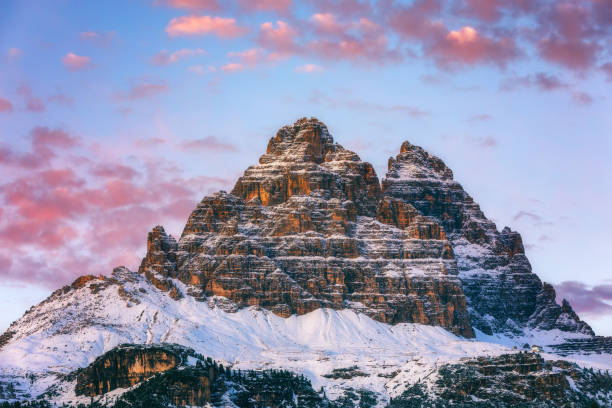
(313, 272)
(502, 292)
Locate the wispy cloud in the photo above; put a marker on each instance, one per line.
(309, 68)
(5, 105)
(201, 25)
(350, 103)
(165, 57)
(209, 143)
(587, 300)
(143, 90)
(76, 62)
(483, 117)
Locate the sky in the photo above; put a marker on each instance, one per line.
(117, 116)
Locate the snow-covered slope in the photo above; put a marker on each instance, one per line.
(77, 324)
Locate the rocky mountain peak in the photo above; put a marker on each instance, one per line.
(307, 140)
(414, 162)
(303, 160)
(501, 290)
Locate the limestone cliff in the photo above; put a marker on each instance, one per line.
(502, 292)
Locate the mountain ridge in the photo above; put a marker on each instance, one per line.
(312, 254)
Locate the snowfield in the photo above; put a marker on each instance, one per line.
(71, 329)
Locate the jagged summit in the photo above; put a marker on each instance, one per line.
(302, 159)
(307, 140)
(415, 162)
(502, 292)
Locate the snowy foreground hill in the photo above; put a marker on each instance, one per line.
(313, 284)
(76, 325)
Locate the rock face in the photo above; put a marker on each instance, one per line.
(310, 227)
(511, 380)
(307, 228)
(189, 380)
(129, 365)
(122, 368)
(502, 292)
(303, 160)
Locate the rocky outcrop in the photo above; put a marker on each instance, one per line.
(192, 380)
(303, 160)
(123, 367)
(159, 264)
(306, 228)
(502, 292)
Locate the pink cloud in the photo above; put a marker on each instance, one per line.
(5, 105)
(355, 104)
(5, 263)
(576, 55)
(373, 50)
(200, 25)
(201, 70)
(61, 99)
(582, 98)
(116, 171)
(76, 62)
(91, 216)
(607, 69)
(34, 233)
(100, 39)
(35, 104)
(345, 8)
(589, 301)
(32, 103)
(150, 142)
(360, 39)
(325, 23)
(144, 90)
(233, 67)
(548, 82)
(280, 39)
(573, 34)
(419, 21)
(56, 138)
(165, 58)
(309, 68)
(280, 6)
(196, 5)
(485, 10)
(467, 47)
(483, 117)
(209, 143)
(14, 52)
(248, 58)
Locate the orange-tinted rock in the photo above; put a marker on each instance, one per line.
(305, 229)
(303, 160)
(82, 280)
(122, 368)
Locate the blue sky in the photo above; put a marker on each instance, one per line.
(118, 116)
